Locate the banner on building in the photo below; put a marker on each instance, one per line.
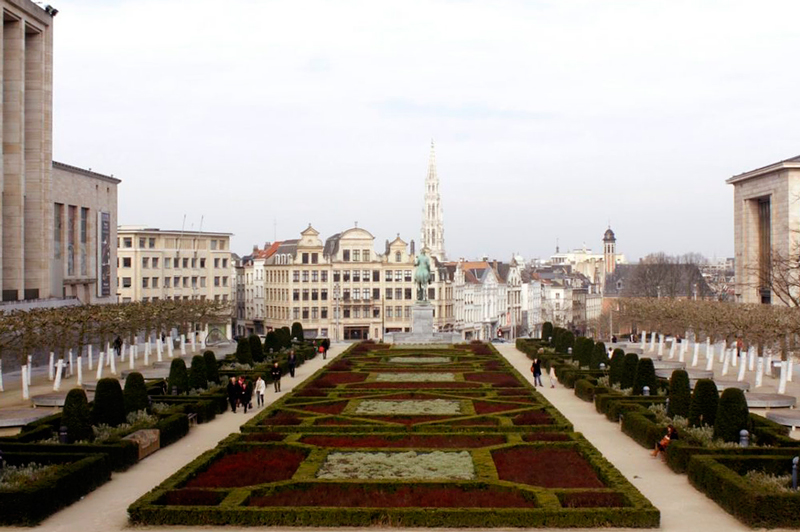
(104, 254)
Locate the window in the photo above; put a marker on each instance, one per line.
(145, 262)
(389, 312)
(324, 276)
(202, 282)
(365, 276)
(306, 258)
(126, 282)
(151, 242)
(127, 242)
(356, 293)
(376, 293)
(305, 276)
(324, 294)
(356, 312)
(398, 293)
(216, 280)
(224, 263)
(346, 255)
(346, 294)
(72, 213)
(225, 281)
(142, 241)
(305, 313)
(296, 313)
(296, 294)
(398, 275)
(154, 282)
(194, 282)
(407, 293)
(315, 295)
(176, 263)
(202, 263)
(155, 262)
(376, 312)
(145, 281)
(407, 275)
(216, 261)
(398, 257)
(194, 263)
(126, 262)
(388, 276)
(388, 293)
(186, 263)
(314, 276)
(336, 276)
(324, 313)
(167, 283)
(186, 282)
(398, 312)
(213, 244)
(356, 276)
(176, 281)
(83, 240)
(408, 312)
(346, 276)
(314, 258)
(365, 255)
(305, 294)
(376, 276)
(356, 255)
(314, 313)
(296, 276)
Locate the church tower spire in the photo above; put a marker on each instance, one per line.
(432, 219)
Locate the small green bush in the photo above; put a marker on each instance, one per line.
(704, 403)
(645, 376)
(197, 373)
(135, 393)
(631, 362)
(243, 355)
(617, 367)
(679, 394)
(178, 377)
(212, 368)
(732, 415)
(77, 416)
(256, 349)
(109, 403)
(547, 330)
(599, 355)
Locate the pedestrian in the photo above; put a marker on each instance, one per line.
(233, 393)
(536, 368)
(552, 376)
(275, 372)
(322, 351)
(247, 395)
(118, 345)
(661, 446)
(292, 361)
(261, 388)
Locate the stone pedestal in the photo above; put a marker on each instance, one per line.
(422, 328)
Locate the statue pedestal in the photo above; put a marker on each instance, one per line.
(422, 329)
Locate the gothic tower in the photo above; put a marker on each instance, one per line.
(609, 251)
(432, 220)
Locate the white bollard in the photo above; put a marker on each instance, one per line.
(100, 365)
(183, 345)
(660, 345)
(50, 367)
(672, 348)
(30, 369)
(789, 369)
(782, 382)
(768, 364)
(742, 368)
(751, 356)
(709, 352)
(710, 363)
(80, 372)
(113, 365)
(725, 362)
(71, 370)
(759, 372)
(147, 354)
(25, 391)
(193, 341)
(644, 340)
(682, 350)
(695, 355)
(652, 341)
(59, 371)
(170, 347)
(131, 361)
(89, 355)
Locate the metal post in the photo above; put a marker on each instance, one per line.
(794, 472)
(646, 391)
(744, 438)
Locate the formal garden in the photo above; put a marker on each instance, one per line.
(403, 436)
(740, 460)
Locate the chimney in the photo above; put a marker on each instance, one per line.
(255, 248)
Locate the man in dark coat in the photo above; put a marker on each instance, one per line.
(292, 362)
(234, 393)
(275, 372)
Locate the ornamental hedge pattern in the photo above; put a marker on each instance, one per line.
(381, 437)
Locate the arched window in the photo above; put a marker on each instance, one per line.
(397, 256)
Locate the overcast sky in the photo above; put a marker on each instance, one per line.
(551, 118)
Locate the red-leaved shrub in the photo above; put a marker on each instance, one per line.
(546, 436)
(502, 380)
(547, 468)
(405, 441)
(282, 418)
(485, 407)
(248, 468)
(192, 497)
(326, 408)
(264, 437)
(534, 417)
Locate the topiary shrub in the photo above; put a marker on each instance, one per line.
(705, 400)
(680, 395)
(212, 368)
(617, 367)
(271, 342)
(178, 377)
(547, 330)
(77, 416)
(732, 415)
(135, 394)
(285, 337)
(109, 404)
(243, 355)
(645, 376)
(197, 373)
(629, 366)
(599, 356)
(256, 349)
(582, 350)
(297, 331)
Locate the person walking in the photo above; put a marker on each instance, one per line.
(247, 395)
(233, 393)
(261, 389)
(275, 372)
(118, 345)
(536, 368)
(292, 361)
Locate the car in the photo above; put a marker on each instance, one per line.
(499, 341)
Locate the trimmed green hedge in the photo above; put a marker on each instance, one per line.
(172, 428)
(77, 475)
(721, 478)
(121, 455)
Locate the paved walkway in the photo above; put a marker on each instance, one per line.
(682, 507)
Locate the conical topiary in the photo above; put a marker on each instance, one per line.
(212, 368)
(547, 331)
(599, 356)
(629, 370)
(645, 376)
(256, 349)
(77, 416)
(705, 400)
(732, 415)
(243, 355)
(135, 393)
(197, 373)
(679, 394)
(297, 331)
(617, 367)
(109, 404)
(178, 377)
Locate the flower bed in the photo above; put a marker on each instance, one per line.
(436, 407)
(251, 467)
(449, 441)
(484, 407)
(547, 468)
(496, 379)
(420, 385)
(326, 408)
(419, 360)
(435, 465)
(415, 377)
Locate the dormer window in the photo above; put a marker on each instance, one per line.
(398, 256)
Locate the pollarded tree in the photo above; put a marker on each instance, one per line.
(679, 394)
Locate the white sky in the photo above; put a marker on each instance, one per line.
(550, 117)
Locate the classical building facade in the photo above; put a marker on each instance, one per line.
(156, 264)
(84, 234)
(766, 229)
(26, 224)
